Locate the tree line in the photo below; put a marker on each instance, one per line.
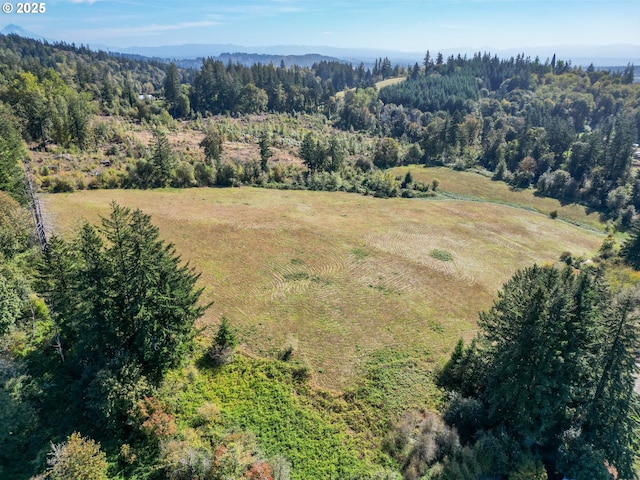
(563, 130)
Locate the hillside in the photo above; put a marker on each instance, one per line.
(388, 269)
(339, 275)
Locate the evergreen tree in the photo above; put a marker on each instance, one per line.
(630, 251)
(172, 89)
(12, 152)
(265, 150)
(119, 290)
(152, 298)
(335, 155)
(612, 420)
(312, 153)
(427, 62)
(554, 367)
(162, 160)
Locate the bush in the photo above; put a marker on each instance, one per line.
(183, 461)
(418, 441)
(566, 257)
(203, 174)
(442, 255)
(184, 176)
(77, 459)
(530, 469)
(364, 164)
(63, 185)
(227, 176)
(466, 415)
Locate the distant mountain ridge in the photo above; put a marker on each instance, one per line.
(599, 55)
(13, 29)
(248, 59)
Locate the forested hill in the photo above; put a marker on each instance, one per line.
(566, 131)
(248, 59)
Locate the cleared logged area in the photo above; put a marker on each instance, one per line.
(340, 275)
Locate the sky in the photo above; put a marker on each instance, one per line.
(404, 25)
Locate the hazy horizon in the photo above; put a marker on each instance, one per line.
(404, 25)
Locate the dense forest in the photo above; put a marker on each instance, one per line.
(563, 130)
(94, 328)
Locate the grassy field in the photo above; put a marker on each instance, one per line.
(339, 276)
(380, 84)
(473, 186)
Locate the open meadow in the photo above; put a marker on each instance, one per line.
(338, 276)
(473, 186)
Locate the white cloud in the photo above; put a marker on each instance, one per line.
(148, 29)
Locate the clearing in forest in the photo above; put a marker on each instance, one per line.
(337, 275)
(470, 185)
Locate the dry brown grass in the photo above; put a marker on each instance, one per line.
(479, 187)
(338, 274)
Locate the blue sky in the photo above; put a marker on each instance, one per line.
(407, 25)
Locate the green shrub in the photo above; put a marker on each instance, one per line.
(442, 255)
(78, 458)
(63, 185)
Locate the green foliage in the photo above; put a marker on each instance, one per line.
(630, 251)
(124, 307)
(19, 426)
(265, 150)
(171, 87)
(162, 160)
(223, 343)
(392, 383)
(418, 441)
(225, 338)
(269, 400)
(78, 458)
(442, 255)
(15, 227)
(386, 154)
(443, 92)
(184, 176)
(50, 109)
(556, 356)
(359, 109)
(408, 180)
(212, 145)
(311, 153)
(252, 99)
(12, 152)
(382, 184)
(532, 469)
(10, 304)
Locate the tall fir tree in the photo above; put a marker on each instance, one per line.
(630, 251)
(162, 160)
(554, 367)
(265, 150)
